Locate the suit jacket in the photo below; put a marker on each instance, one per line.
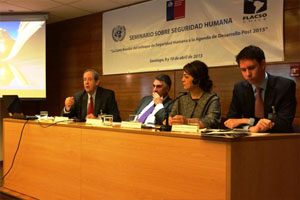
(104, 100)
(160, 115)
(280, 93)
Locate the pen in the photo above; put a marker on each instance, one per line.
(273, 114)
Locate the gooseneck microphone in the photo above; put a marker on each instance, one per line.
(167, 126)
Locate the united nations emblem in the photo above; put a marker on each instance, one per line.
(118, 33)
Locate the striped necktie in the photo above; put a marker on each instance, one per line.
(144, 116)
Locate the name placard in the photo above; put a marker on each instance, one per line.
(185, 128)
(61, 119)
(125, 124)
(94, 122)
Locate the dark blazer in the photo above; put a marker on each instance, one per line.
(160, 115)
(104, 100)
(280, 93)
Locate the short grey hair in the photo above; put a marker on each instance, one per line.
(165, 79)
(95, 73)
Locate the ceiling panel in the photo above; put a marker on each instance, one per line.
(96, 6)
(62, 9)
(68, 12)
(67, 1)
(6, 7)
(127, 2)
(35, 5)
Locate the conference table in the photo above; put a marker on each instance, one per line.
(78, 161)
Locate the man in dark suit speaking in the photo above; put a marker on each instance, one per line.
(92, 101)
(151, 109)
(263, 102)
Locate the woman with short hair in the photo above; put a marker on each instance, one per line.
(200, 106)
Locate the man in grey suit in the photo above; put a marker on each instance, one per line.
(93, 100)
(262, 102)
(151, 109)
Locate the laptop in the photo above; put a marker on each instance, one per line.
(14, 107)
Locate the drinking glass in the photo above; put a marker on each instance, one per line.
(108, 120)
(132, 118)
(44, 114)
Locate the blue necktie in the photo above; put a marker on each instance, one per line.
(144, 116)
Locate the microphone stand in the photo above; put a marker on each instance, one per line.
(167, 126)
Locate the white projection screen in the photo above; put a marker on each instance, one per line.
(23, 55)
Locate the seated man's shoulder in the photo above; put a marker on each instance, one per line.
(149, 97)
(241, 84)
(105, 91)
(79, 94)
(282, 81)
(168, 99)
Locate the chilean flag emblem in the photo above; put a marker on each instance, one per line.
(175, 9)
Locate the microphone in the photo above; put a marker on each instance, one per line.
(167, 126)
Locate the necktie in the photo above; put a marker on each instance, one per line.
(91, 106)
(144, 116)
(259, 104)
